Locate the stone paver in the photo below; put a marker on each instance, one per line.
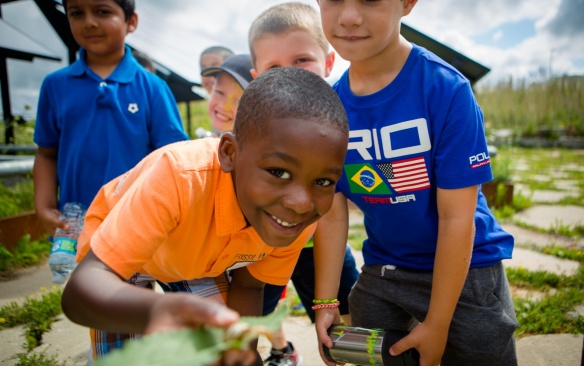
(528, 238)
(549, 350)
(534, 261)
(552, 216)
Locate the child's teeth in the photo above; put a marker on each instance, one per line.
(283, 223)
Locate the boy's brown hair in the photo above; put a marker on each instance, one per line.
(286, 17)
(128, 6)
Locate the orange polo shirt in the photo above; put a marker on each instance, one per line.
(175, 216)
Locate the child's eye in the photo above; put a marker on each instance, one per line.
(74, 13)
(282, 174)
(302, 60)
(323, 182)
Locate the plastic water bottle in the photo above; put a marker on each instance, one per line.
(62, 258)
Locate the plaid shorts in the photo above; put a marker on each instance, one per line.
(214, 289)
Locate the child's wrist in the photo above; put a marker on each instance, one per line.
(324, 301)
(328, 305)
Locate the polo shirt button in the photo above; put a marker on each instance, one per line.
(102, 84)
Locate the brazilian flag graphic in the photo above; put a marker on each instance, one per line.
(364, 179)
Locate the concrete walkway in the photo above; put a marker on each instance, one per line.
(70, 342)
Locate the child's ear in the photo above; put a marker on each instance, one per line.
(132, 23)
(408, 6)
(329, 63)
(228, 152)
(254, 73)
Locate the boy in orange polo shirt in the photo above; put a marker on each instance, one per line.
(246, 203)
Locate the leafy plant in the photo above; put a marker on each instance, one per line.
(33, 359)
(16, 199)
(201, 346)
(25, 254)
(37, 314)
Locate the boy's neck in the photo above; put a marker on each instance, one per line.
(371, 75)
(104, 65)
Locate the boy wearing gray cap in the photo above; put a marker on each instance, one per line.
(231, 78)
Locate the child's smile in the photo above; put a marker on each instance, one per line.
(285, 179)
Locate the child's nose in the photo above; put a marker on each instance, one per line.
(90, 21)
(350, 14)
(299, 199)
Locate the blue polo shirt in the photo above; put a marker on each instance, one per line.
(103, 127)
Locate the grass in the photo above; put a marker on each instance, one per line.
(528, 108)
(25, 254)
(16, 199)
(36, 313)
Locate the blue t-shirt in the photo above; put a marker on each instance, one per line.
(103, 127)
(422, 131)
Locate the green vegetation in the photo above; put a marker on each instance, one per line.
(23, 132)
(199, 117)
(553, 313)
(25, 254)
(16, 199)
(528, 108)
(36, 313)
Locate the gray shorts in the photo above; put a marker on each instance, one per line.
(483, 325)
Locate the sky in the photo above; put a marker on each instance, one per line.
(522, 39)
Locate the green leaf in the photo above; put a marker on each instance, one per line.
(193, 347)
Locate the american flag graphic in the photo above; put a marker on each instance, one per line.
(406, 175)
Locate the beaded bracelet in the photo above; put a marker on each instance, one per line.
(324, 301)
(326, 306)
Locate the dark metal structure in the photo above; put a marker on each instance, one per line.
(471, 69)
(15, 45)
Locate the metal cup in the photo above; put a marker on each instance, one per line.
(361, 346)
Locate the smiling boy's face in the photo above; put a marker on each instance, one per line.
(223, 102)
(285, 179)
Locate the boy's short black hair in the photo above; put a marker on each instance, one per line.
(128, 6)
(287, 92)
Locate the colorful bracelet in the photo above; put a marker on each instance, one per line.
(324, 301)
(331, 305)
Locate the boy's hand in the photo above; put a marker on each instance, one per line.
(177, 311)
(429, 341)
(324, 318)
(49, 218)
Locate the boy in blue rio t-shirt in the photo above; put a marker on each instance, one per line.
(416, 159)
(101, 115)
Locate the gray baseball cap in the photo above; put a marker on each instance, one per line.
(238, 66)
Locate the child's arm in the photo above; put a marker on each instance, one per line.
(456, 208)
(45, 189)
(95, 296)
(330, 244)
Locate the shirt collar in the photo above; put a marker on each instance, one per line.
(228, 214)
(123, 73)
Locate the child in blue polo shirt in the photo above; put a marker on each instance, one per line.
(101, 115)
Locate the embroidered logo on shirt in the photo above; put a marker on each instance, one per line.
(133, 107)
